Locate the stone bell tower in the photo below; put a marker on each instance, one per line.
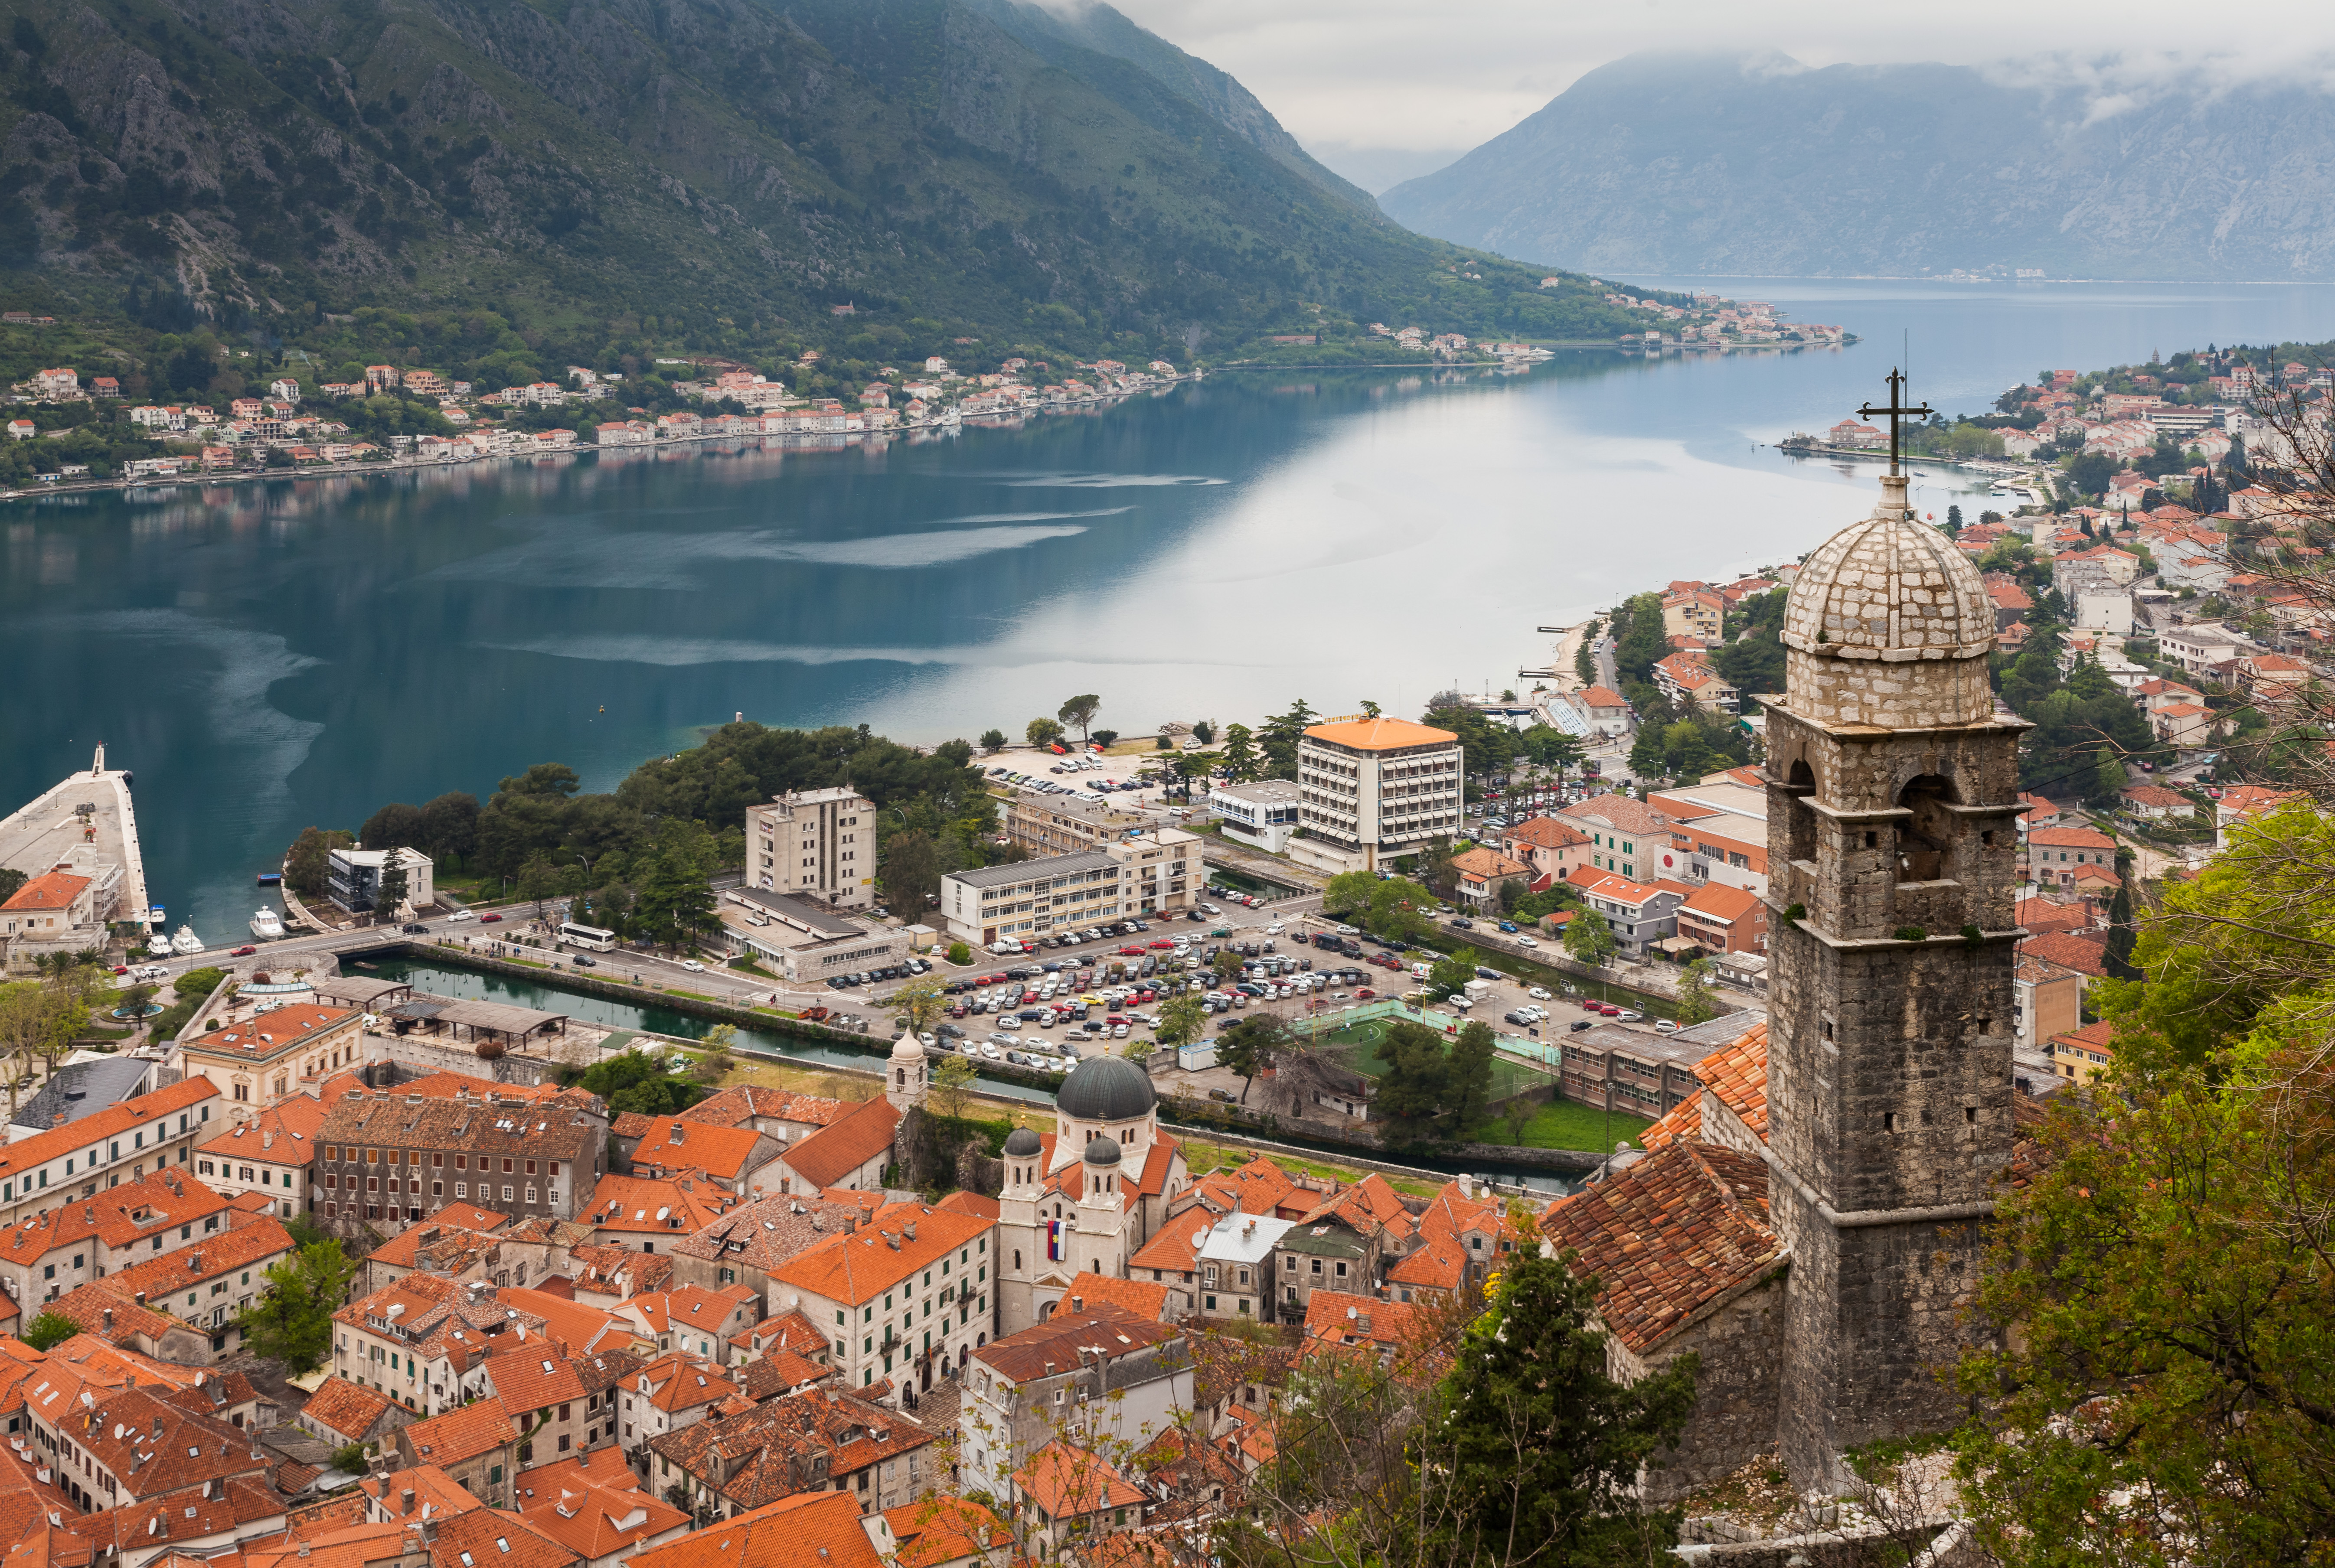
(1892, 795)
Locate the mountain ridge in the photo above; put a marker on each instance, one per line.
(1720, 164)
(948, 169)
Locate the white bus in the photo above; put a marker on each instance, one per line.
(589, 936)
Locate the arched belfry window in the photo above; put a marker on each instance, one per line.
(1925, 841)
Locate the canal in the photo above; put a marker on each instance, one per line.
(445, 980)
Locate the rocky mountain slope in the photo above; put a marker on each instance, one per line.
(972, 166)
(1753, 165)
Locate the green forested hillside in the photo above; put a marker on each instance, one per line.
(592, 177)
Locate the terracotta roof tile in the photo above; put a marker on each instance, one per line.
(1067, 1482)
(345, 1409)
(941, 1530)
(1667, 1236)
(857, 1268)
(834, 1152)
(1683, 1123)
(813, 1530)
(1143, 1298)
(462, 1433)
(760, 1449)
(1019, 1357)
(1738, 1075)
(2070, 949)
(740, 1103)
(672, 1144)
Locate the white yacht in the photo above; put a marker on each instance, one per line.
(184, 940)
(159, 943)
(266, 924)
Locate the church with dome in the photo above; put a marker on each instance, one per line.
(1083, 1198)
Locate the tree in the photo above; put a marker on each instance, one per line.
(1468, 1089)
(1370, 710)
(305, 864)
(11, 879)
(1181, 1021)
(2117, 958)
(1251, 1046)
(394, 826)
(958, 952)
(292, 1321)
(1043, 732)
(49, 1330)
(1543, 1447)
(1589, 938)
(1451, 972)
(953, 1082)
(1106, 738)
(389, 896)
(992, 741)
(1348, 892)
(920, 1001)
(1080, 711)
(1227, 963)
(539, 880)
(911, 871)
(1205, 732)
(1696, 1001)
(1644, 639)
(1241, 753)
(1411, 1089)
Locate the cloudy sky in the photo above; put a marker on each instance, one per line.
(1383, 89)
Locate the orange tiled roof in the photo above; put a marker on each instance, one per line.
(845, 1144)
(345, 1407)
(1336, 1319)
(1683, 1123)
(857, 1268)
(670, 1144)
(595, 1521)
(283, 1134)
(1067, 1480)
(1380, 734)
(1738, 1075)
(163, 1105)
(2070, 949)
(810, 1530)
(118, 1217)
(1667, 1236)
(648, 1205)
(973, 1204)
(938, 1530)
(1144, 1298)
(462, 1433)
(50, 890)
(740, 1103)
(252, 1245)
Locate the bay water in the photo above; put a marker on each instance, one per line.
(269, 655)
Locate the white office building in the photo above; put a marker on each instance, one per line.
(1373, 788)
(821, 842)
(1143, 874)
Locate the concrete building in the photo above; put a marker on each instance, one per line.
(1063, 825)
(352, 880)
(67, 908)
(821, 842)
(906, 1294)
(1641, 914)
(807, 938)
(1153, 873)
(2047, 1000)
(1631, 837)
(1265, 814)
(1375, 788)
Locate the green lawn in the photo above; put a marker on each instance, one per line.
(1566, 1124)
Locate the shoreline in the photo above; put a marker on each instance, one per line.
(837, 440)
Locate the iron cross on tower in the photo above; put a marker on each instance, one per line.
(1897, 411)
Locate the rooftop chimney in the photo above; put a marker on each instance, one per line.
(108, 1320)
(405, 1501)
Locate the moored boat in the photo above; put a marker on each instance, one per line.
(266, 924)
(185, 941)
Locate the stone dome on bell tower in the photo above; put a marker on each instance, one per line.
(1889, 624)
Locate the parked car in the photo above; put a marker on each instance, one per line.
(489, 919)
(691, 965)
(244, 951)
(580, 961)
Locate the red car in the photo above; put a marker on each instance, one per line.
(1590, 1004)
(1132, 952)
(244, 952)
(120, 969)
(1609, 1010)
(1365, 994)
(489, 919)
(1162, 946)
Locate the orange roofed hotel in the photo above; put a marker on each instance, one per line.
(1374, 789)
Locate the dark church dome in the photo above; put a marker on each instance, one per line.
(1106, 1088)
(1022, 1143)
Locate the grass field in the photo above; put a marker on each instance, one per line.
(1564, 1124)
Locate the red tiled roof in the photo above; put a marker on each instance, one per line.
(812, 1530)
(1719, 902)
(1667, 1236)
(843, 1146)
(1601, 697)
(1683, 1123)
(673, 1145)
(1738, 1074)
(345, 1407)
(2067, 947)
(1057, 1341)
(32, 1153)
(1067, 1482)
(2040, 914)
(941, 1529)
(2070, 838)
(1144, 1298)
(857, 1268)
(1336, 1320)
(973, 1204)
(462, 1433)
(50, 890)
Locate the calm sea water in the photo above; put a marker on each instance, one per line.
(265, 657)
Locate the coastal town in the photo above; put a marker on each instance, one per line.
(305, 422)
(1060, 1263)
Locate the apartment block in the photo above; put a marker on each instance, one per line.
(820, 842)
